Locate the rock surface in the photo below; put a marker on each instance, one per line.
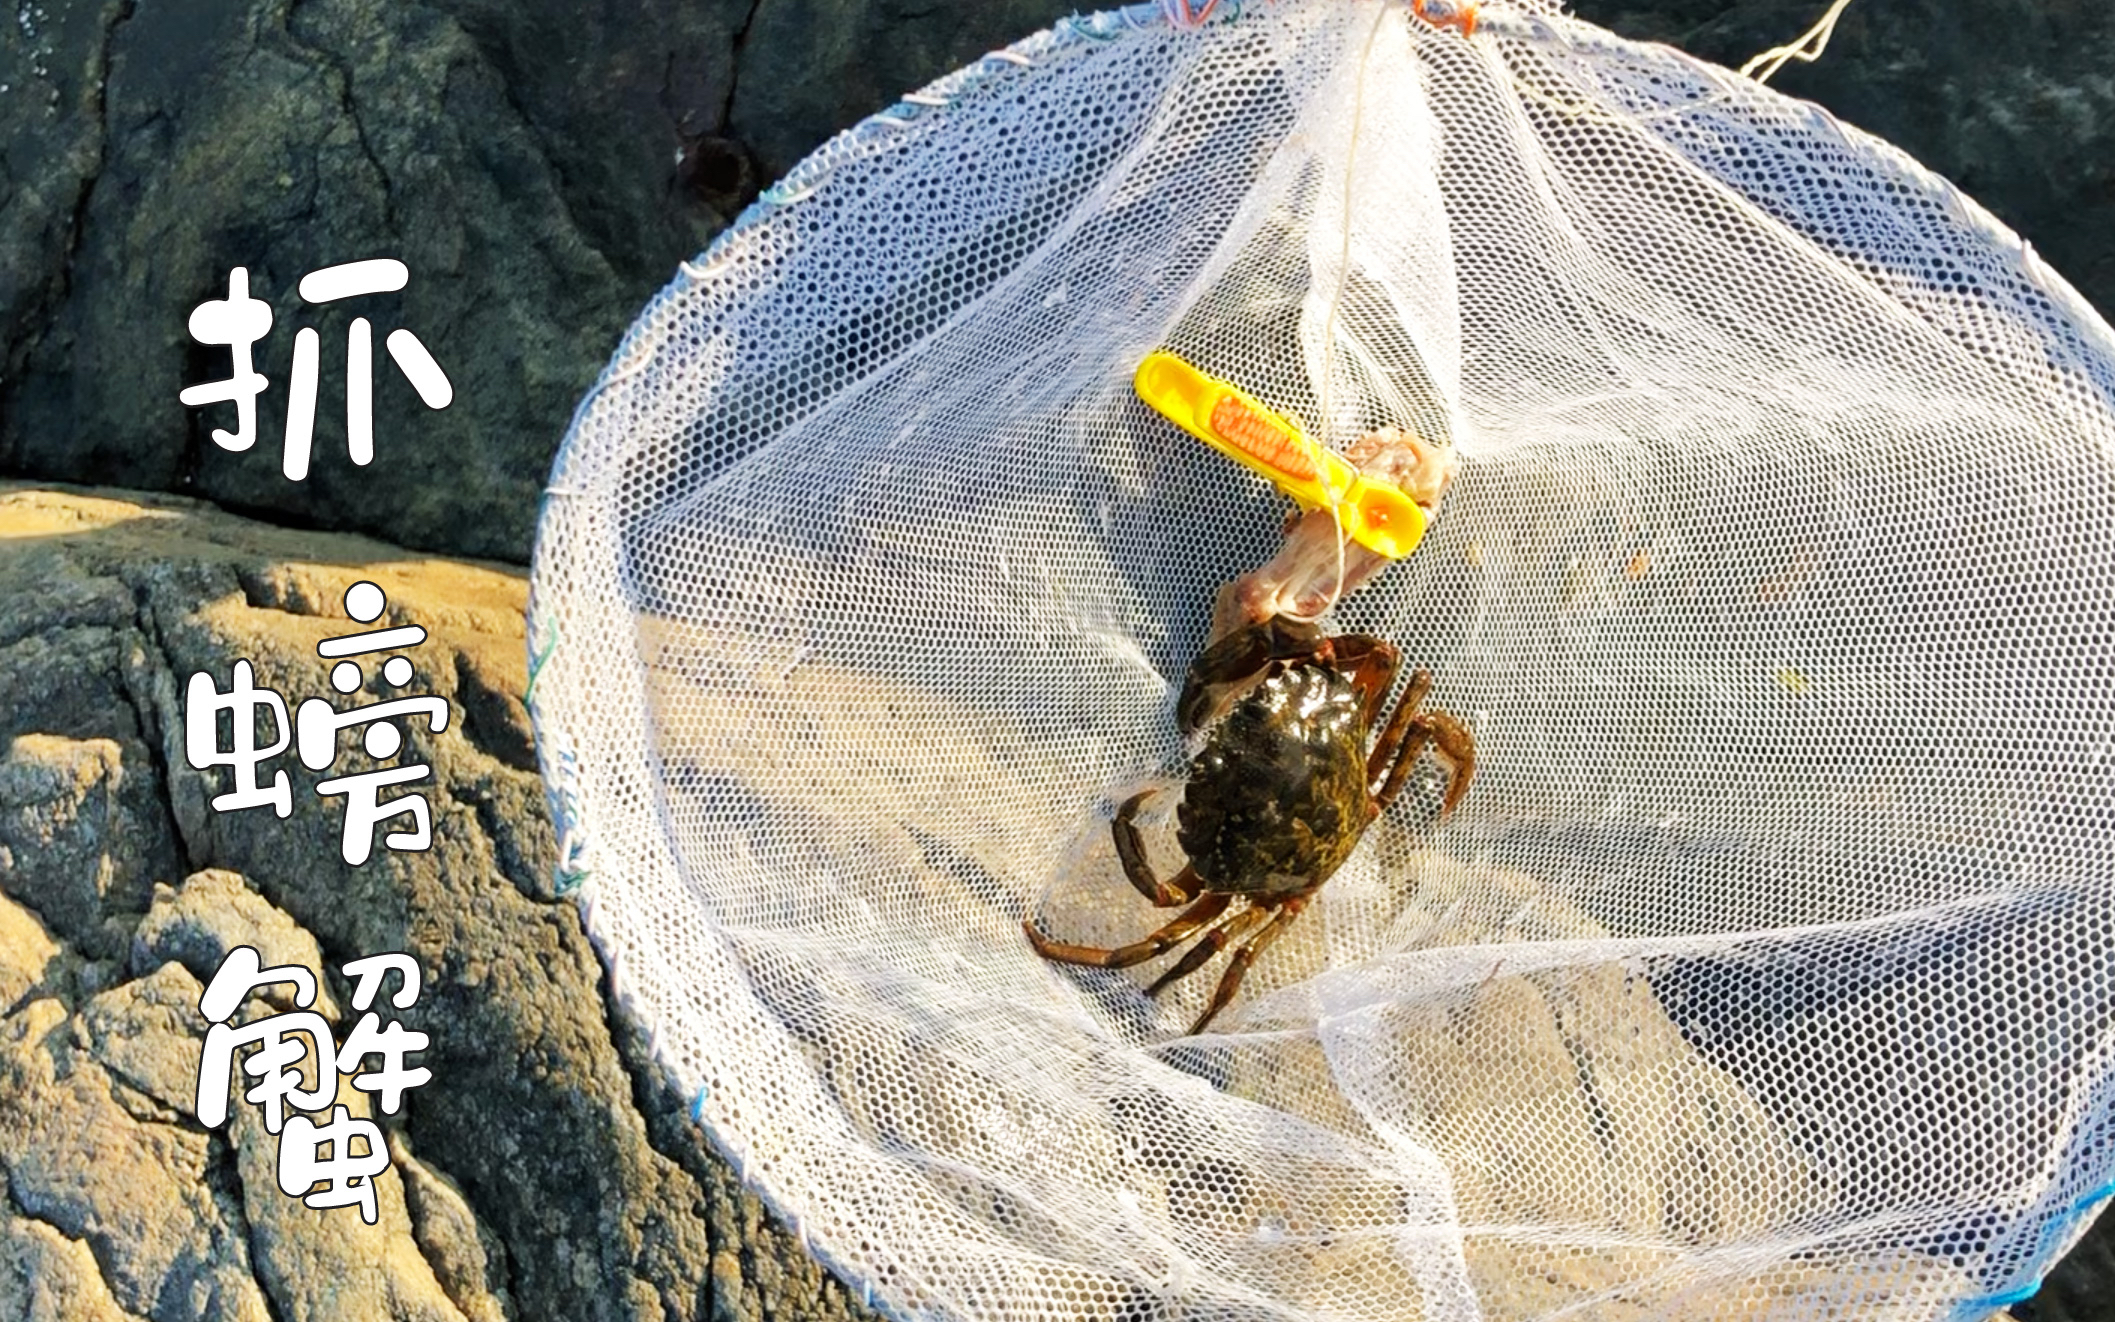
(545, 1174)
(541, 168)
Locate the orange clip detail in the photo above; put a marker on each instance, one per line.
(1458, 14)
(1258, 437)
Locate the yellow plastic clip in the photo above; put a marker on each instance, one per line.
(1379, 516)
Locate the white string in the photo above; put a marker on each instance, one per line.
(1806, 50)
(1336, 295)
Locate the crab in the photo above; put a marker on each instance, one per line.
(1279, 794)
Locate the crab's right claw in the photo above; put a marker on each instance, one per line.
(1222, 670)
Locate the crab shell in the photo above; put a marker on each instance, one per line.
(1278, 797)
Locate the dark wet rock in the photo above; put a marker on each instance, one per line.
(541, 168)
(283, 139)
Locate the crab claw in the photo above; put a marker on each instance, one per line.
(1457, 14)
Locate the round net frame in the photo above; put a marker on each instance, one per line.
(1764, 970)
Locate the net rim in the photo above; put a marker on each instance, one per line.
(1535, 22)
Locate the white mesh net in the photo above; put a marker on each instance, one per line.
(1764, 971)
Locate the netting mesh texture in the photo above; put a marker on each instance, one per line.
(1764, 971)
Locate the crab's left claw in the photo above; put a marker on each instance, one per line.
(1457, 14)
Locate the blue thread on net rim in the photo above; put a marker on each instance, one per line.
(571, 875)
(561, 792)
(2080, 1208)
(1105, 26)
(539, 655)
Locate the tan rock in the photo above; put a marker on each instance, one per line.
(214, 912)
(326, 1263)
(26, 953)
(465, 1256)
(138, 1193)
(82, 832)
(550, 1181)
(46, 1277)
(148, 1034)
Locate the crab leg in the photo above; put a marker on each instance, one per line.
(1138, 952)
(1237, 969)
(1386, 747)
(1212, 943)
(1409, 732)
(1454, 746)
(1370, 664)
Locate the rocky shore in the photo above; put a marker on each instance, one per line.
(541, 167)
(545, 1174)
